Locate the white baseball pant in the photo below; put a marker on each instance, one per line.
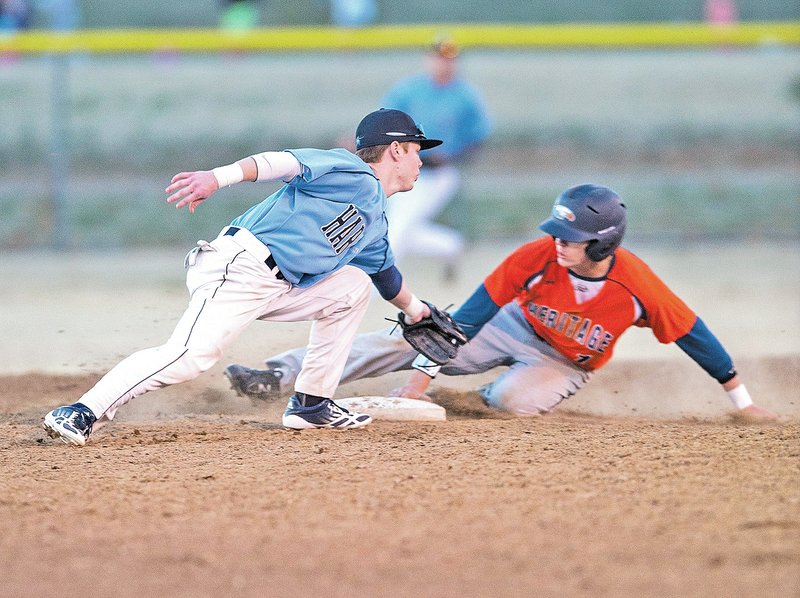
(230, 287)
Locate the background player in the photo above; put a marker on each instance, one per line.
(552, 312)
(451, 109)
(307, 252)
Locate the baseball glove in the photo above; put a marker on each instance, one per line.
(437, 337)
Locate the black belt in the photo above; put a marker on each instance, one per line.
(270, 261)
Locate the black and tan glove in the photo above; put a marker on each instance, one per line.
(437, 336)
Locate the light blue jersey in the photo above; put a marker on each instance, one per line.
(330, 215)
(453, 112)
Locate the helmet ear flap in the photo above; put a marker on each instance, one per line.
(597, 251)
(594, 251)
(591, 251)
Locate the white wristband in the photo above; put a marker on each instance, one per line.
(414, 308)
(740, 397)
(228, 175)
(426, 366)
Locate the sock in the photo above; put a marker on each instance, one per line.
(308, 400)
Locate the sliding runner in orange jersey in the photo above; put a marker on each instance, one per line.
(552, 312)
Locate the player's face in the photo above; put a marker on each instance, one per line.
(409, 165)
(570, 254)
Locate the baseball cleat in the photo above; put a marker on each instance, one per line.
(256, 384)
(325, 415)
(71, 424)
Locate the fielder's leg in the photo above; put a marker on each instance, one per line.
(336, 306)
(216, 316)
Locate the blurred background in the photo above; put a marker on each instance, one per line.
(702, 141)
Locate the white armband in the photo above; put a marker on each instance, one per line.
(414, 308)
(272, 166)
(426, 366)
(228, 175)
(740, 397)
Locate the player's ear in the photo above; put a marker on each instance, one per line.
(395, 150)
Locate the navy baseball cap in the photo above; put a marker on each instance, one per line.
(385, 125)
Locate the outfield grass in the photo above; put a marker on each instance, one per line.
(701, 143)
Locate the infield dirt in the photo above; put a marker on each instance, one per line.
(642, 485)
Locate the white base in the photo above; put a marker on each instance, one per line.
(395, 408)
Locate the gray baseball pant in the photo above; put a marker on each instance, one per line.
(537, 379)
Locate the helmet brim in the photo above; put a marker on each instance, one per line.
(561, 230)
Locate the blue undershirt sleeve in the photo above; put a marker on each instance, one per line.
(388, 282)
(704, 348)
(476, 311)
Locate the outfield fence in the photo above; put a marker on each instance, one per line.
(574, 35)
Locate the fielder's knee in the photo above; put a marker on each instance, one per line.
(191, 364)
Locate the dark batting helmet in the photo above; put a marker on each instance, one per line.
(588, 213)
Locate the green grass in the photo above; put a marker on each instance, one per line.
(701, 143)
(660, 208)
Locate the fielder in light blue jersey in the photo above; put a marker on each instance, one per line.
(306, 253)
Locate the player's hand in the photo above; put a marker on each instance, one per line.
(191, 188)
(425, 313)
(754, 413)
(409, 391)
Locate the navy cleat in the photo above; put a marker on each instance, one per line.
(256, 384)
(325, 415)
(71, 424)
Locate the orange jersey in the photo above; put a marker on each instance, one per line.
(587, 332)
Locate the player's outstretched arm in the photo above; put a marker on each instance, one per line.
(704, 348)
(193, 188)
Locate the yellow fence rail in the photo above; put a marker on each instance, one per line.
(582, 35)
